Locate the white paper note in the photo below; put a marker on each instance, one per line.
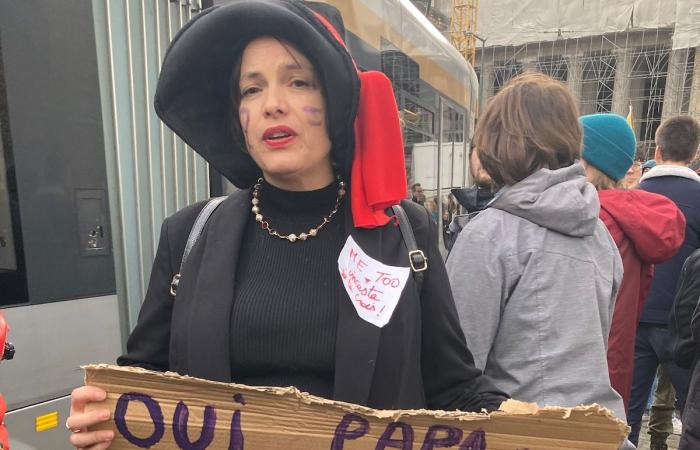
(374, 288)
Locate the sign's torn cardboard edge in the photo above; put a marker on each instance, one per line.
(510, 407)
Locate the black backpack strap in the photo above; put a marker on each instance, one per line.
(195, 232)
(416, 258)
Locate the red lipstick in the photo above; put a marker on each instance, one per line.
(279, 136)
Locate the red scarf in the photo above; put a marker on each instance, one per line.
(378, 176)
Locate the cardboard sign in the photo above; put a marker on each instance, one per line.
(373, 287)
(167, 411)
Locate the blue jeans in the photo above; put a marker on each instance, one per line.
(651, 349)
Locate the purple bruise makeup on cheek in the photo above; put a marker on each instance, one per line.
(244, 117)
(312, 111)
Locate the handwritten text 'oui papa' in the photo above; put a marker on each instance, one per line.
(397, 435)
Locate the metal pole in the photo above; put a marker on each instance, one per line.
(482, 103)
(482, 100)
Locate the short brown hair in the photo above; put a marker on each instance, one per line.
(529, 125)
(678, 138)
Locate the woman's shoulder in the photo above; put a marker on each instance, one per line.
(182, 221)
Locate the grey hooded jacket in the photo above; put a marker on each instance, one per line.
(534, 278)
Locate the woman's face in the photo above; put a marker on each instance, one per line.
(635, 170)
(283, 116)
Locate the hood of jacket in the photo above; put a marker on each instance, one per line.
(653, 223)
(560, 200)
(474, 198)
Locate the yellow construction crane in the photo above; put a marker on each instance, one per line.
(463, 28)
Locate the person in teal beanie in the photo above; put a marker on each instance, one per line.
(647, 229)
(608, 144)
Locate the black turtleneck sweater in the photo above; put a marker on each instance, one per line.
(284, 319)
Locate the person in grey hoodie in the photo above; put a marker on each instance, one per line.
(535, 274)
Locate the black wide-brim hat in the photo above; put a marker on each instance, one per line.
(193, 96)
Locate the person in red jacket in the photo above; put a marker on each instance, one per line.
(647, 228)
(7, 351)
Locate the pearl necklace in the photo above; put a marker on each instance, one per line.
(265, 225)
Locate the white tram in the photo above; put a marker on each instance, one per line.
(87, 171)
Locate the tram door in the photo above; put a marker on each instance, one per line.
(57, 278)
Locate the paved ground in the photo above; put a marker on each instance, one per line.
(672, 441)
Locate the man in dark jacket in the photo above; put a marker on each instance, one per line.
(685, 340)
(677, 141)
(473, 199)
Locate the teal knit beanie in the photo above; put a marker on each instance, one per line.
(608, 144)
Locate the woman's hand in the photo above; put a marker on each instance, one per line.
(79, 420)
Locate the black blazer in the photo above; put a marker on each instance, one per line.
(418, 360)
(690, 439)
(685, 350)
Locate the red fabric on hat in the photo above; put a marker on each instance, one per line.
(378, 175)
(330, 28)
(378, 178)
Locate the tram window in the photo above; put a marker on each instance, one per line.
(417, 116)
(8, 257)
(53, 153)
(451, 166)
(403, 71)
(421, 167)
(13, 283)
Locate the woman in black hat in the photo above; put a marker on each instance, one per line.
(281, 287)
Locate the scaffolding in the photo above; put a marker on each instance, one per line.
(463, 28)
(611, 72)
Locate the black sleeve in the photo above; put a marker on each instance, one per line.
(148, 345)
(685, 303)
(695, 326)
(450, 377)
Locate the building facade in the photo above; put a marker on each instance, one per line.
(619, 57)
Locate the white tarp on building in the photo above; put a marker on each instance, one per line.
(516, 22)
(687, 33)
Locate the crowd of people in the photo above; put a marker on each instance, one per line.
(562, 276)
